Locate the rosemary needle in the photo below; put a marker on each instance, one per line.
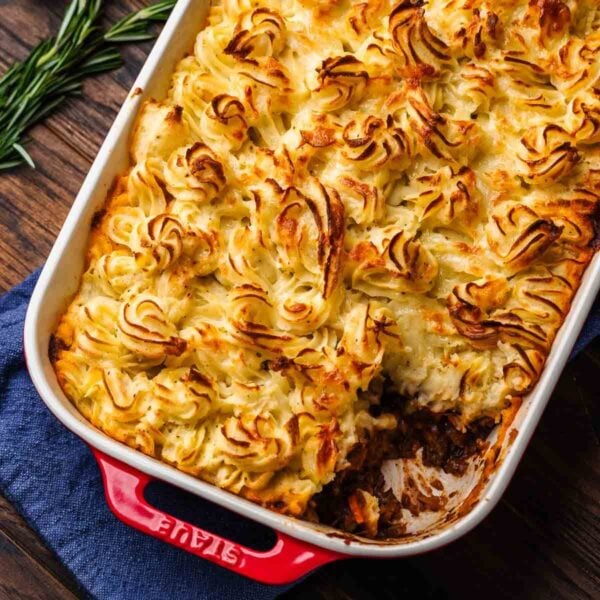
(32, 89)
(134, 27)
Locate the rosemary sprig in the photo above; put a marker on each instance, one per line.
(32, 89)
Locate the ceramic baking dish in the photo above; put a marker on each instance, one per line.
(300, 546)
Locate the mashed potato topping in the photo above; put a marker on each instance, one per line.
(334, 193)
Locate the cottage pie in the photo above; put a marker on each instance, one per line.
(338, 201)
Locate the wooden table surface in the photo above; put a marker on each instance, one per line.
(542, 540)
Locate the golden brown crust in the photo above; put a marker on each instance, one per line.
(332, 192)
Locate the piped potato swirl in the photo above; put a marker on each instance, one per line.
(333, 194)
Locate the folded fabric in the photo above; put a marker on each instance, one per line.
(52, 479)
(590, 331)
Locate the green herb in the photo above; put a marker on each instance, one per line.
(55, 69)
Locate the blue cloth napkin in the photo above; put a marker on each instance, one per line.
(52, 479)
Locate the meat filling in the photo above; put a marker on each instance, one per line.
(356, 500)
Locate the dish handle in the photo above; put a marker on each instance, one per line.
(287, 561)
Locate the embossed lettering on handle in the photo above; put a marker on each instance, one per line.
(287, 561)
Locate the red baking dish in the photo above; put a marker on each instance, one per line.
(301, 546)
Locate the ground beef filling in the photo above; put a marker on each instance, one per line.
(344, 502)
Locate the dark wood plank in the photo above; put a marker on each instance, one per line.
(35, 203)
(29, 554)
(22, 579)
(543, 539)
